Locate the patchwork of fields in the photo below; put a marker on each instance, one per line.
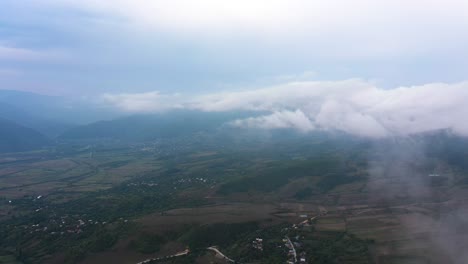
(126, 204)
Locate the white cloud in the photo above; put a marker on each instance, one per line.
(354, 106)
(279, 119)
(288, 95)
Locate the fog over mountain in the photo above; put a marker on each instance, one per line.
(234, 131)
(372, 69)
(50, 115)
(354, 106)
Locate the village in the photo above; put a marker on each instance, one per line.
(292, 247)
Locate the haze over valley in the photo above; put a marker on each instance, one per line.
(233, 132)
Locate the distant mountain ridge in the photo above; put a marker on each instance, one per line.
(49, 128)
(54, 109)
(152, 126)
(15, 137)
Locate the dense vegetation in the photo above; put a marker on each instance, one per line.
(331, 171)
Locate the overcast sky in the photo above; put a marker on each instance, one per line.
(371, 68)
(90, 47)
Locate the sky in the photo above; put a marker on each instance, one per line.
(372, 68)
(90, 47)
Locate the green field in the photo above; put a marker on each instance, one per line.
(91, 204)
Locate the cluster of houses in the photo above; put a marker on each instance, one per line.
(258, 244)
(293, 246)
(292, 255)
(66, 225)
(302, 257)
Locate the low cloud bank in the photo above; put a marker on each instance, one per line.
(354, 106)
(143, 102)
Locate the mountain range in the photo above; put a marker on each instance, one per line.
(15, 137)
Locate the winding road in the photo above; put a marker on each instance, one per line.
(214, 249)
(293, 249)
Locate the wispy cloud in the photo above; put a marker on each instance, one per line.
(144, 102)
(8, 53)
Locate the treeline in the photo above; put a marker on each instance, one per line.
(336, 247)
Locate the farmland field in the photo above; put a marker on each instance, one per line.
(126, 204)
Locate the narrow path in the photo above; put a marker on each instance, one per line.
(214, 249)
